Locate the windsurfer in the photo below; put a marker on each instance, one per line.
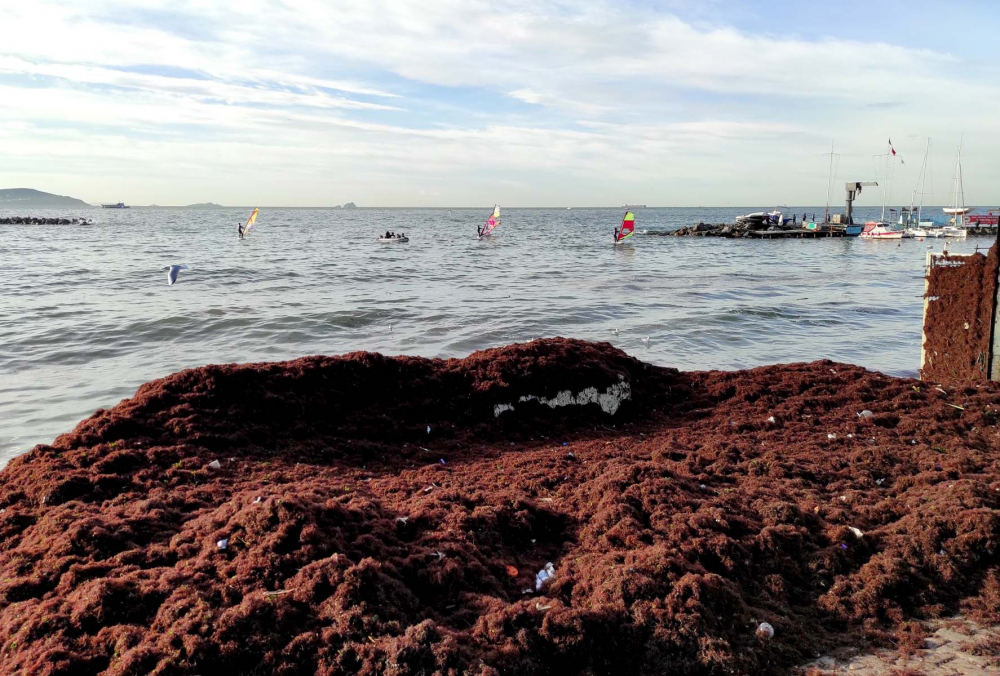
(239, 229)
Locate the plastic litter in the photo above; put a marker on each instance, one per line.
(511, 571)
(831, 435)
(428, 429)
(402, 519)
(257, 500)
(571, 456)
(771, 419)
(879, 482)
(866, 414)
(223, 545)
(439, 555)
(539, 606)
(843, 546)
(765, 630)
(546, 573)
(857, 532)
(443, 462)
(215, 464)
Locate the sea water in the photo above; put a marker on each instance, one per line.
(86, 315)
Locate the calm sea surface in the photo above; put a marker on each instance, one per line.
(86, 315)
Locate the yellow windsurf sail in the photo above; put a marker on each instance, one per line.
(250, 222)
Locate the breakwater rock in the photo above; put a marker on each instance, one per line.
(33, 220)
(370, 514)
(725, 230)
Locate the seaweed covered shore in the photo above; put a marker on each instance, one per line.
(370, 514)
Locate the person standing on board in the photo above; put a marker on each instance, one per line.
(239, 229)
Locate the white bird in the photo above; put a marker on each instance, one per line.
(173, 271)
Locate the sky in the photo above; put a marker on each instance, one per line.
(517, 102)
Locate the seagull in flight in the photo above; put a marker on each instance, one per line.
(173, 271)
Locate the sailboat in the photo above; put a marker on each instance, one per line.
(250, 222)
(626, 229)
(958, 210)
(491, 223)
(915, 226)
(882, 229)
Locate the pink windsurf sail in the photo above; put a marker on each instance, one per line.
(491, 223)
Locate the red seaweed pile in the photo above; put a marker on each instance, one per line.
(959, 314)
(373, 515)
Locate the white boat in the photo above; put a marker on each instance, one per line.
(398, 239)
(952, 232)
(916, 232)
(881, 230)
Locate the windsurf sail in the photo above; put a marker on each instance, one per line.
(250, 222)
(628, 227)
(491, 223)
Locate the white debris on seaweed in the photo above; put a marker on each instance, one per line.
(609, 400)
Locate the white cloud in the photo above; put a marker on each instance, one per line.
(542, 97)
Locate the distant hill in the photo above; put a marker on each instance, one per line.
(26, 197)
(350, 205)
(205, 205)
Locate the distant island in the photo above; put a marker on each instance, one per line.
(350, 205)
(205, 205)
(27, 197)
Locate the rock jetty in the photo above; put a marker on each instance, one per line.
(735, 230)
(33, 220)
(723, 230)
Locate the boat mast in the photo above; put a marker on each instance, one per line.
(923, 178)
(829, 185)
(960, 195)
(885, 186)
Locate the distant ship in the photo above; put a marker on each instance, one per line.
(633, 206)
(120, 205)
